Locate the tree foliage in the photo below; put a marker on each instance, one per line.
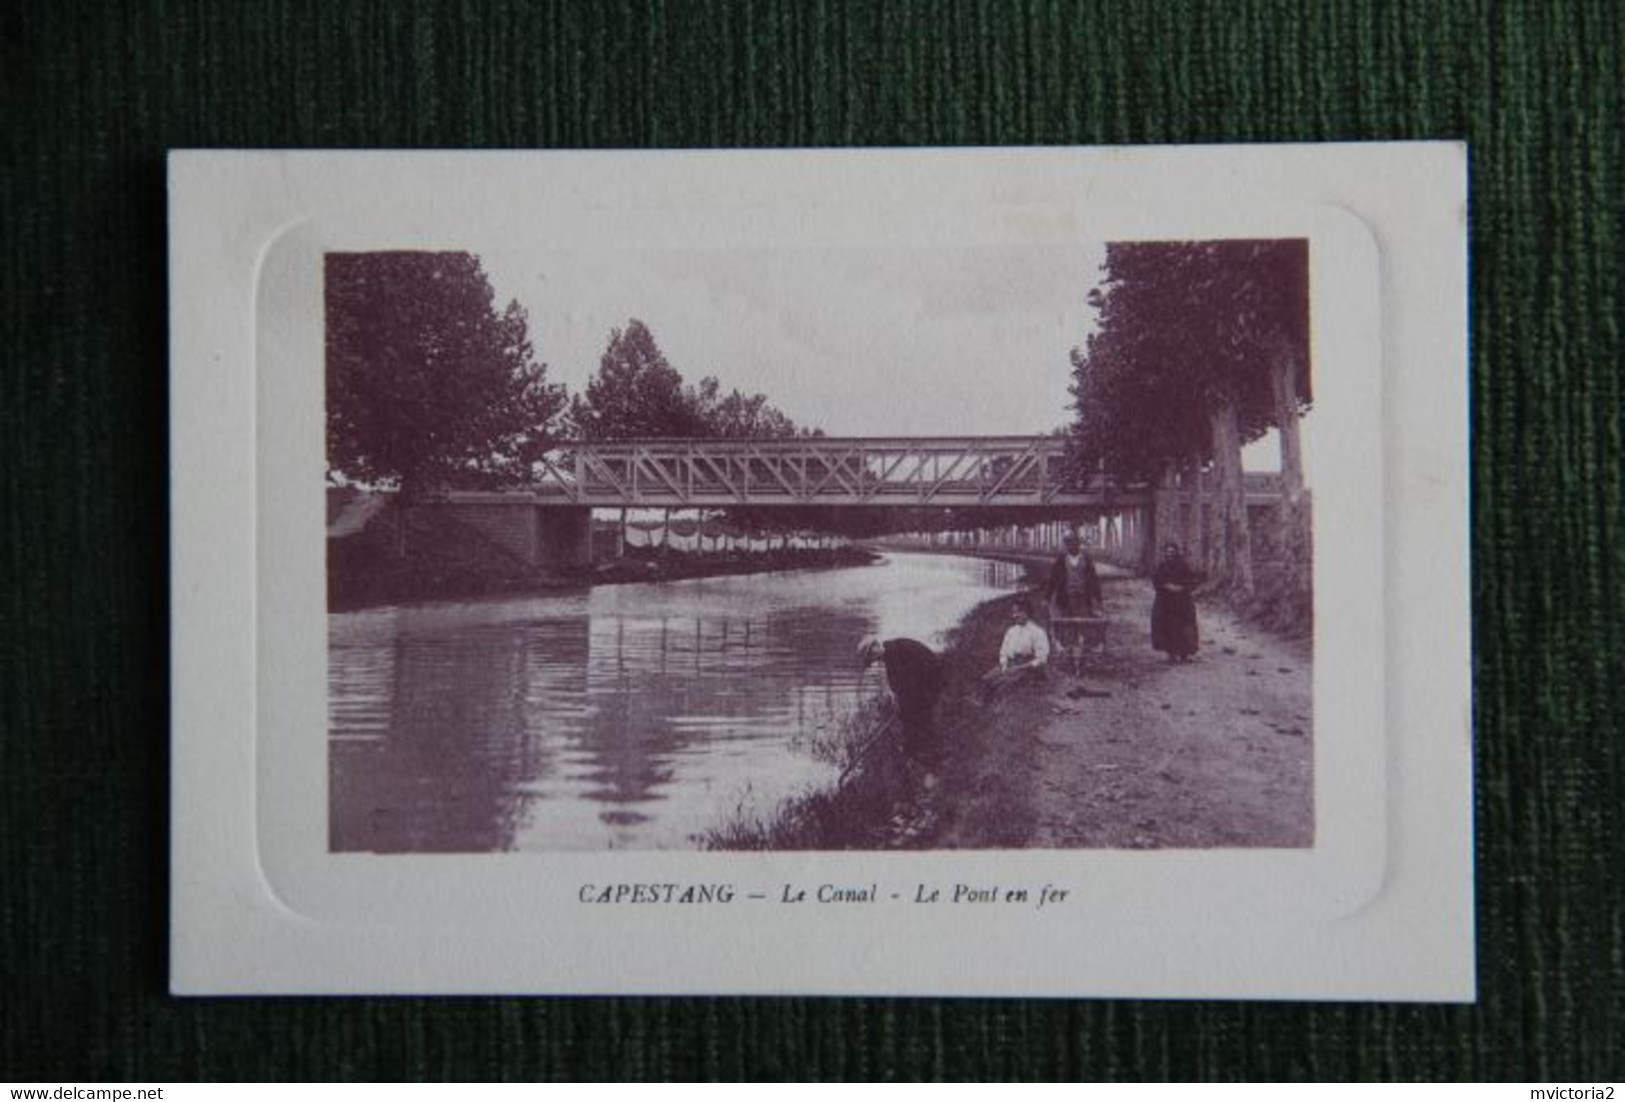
(1202, 346)
(1187, 328)
(427, 383)
(636, 393)
(739, 416)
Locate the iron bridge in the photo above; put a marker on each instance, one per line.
(877, 471)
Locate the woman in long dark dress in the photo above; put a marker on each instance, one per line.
(1173, 613)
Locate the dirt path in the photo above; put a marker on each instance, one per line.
(1216, 752)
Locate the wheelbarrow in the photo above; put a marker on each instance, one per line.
(1072, 637)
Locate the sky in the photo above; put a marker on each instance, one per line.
(950, 341)
(957, 340)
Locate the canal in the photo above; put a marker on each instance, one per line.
(620, 717)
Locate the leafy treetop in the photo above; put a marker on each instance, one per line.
(1185, 329)
(427, 383)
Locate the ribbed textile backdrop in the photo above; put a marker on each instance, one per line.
(95, 94)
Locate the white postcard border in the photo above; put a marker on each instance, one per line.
(259, 906)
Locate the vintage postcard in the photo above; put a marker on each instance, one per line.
(933, 572)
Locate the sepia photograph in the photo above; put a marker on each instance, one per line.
(833, 548)
(956, 547)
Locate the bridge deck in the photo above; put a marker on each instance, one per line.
(889, 471)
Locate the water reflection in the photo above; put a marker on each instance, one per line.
(631, 716)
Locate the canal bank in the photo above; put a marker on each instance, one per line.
(451, 561)
(1132, 754)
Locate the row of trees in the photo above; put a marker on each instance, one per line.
(1201, 348)
(430, 384)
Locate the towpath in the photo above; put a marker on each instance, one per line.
(1139, 754)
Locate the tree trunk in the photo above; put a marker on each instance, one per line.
(403, 501)
(1164, 517)
(1285, 378)
(1236, 539)
(1197, 552)
(1292, 529)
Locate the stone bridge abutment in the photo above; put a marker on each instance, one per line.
(540, 535)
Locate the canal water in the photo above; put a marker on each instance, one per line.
(621, 717)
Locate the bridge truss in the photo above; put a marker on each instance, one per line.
(902, 471)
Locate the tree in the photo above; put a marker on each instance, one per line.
(1202, 347)
(636, 393)
(738, 416)
(427, 384)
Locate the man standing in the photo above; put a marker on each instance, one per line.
(1074, 594)
(914, 674)
(1074, 586)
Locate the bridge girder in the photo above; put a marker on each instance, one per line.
(970, 471)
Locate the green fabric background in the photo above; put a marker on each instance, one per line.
(94, 95)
